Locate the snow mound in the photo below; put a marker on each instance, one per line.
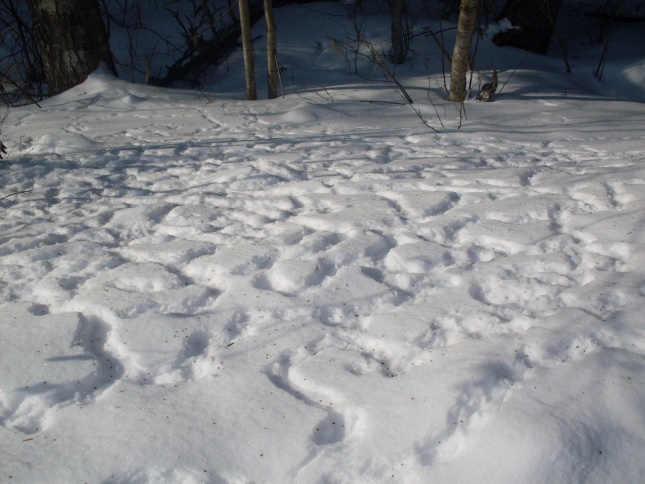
(62, 143)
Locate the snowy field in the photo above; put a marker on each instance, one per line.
(200, 289)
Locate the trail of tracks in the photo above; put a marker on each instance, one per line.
(388, 284)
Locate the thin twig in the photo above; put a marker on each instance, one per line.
(280, 75)
(15, 193)
(434, 106)
(445, 55)
(377, 60)
(513, 72)
(371, 101)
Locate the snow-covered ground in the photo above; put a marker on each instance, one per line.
(320, 288)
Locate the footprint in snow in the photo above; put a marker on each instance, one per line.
(295, 372)
(36, 379)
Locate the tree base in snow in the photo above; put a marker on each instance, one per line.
(488, 90)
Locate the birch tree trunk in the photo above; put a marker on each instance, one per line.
(461, 54)
(272, 59)
(247, 49)
(72, 40)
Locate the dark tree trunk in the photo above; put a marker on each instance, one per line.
(272, 55)
(398, 46)
(211, 52)
(461, 54)
(247, 50)
(72, 39)
(536, 22)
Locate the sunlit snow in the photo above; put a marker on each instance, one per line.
(320, 288)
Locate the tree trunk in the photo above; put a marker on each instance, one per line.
(461, 54)
(536, 22)
(272, 55)
(247, 48)
(398, 46)
(72, 39)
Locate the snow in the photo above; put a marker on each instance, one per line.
(320, 288)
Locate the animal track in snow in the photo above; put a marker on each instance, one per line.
(43, 379)
(294, 372)
(132, 289)
(185, 352)
(294, 276)
(449, 272)
(474, 403)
